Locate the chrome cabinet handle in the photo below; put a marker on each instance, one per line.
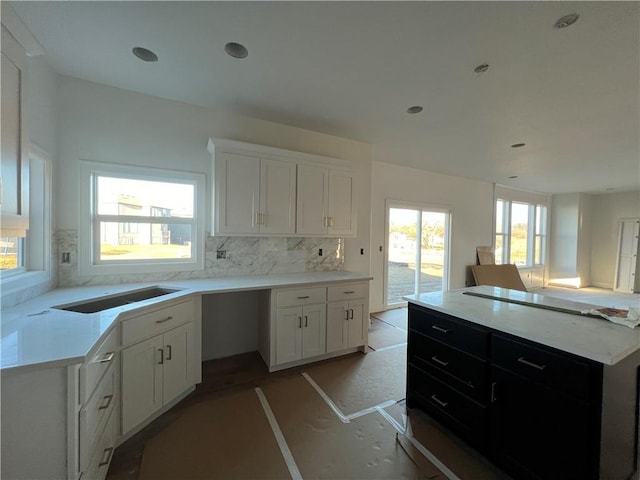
(440, 329)
(105, 461)
(161, 350)
(438, 401)
(169, 356)
(439, 362)
(105, 405)
(164, 320)
(107, 357)
(531, 364)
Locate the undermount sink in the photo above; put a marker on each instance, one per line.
(94, 305)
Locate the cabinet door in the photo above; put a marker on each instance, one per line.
(237, 193)
(176, 348)
(539, 433)
(337, 326)
(141, 381)
(314, 330)
(340, 204)
(288, 334)
(358, 324)
(277, 197)
(312, 197)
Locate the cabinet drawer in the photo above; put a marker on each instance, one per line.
(158, 321)
(463, 372)
(447, 330)
(302, 296)
(102, 454)
(347, 291)
(466, 417)
(92, 371)
(557, 371)
(94, 414)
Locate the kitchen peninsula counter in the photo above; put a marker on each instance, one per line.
(37, 335)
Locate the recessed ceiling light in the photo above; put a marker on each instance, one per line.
(610, 188)
(414, 109)
(518, 145)
(481, 68)
(144, 54)
(513, 176)
(567, 20)
(236, 50)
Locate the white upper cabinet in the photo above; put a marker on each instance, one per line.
(325, 203)
(253, 196)
(260, 190)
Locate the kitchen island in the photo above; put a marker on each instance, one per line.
(542, 394)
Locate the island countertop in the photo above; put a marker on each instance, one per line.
(589, 337)
(37, 335)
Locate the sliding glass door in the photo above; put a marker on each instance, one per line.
(417, 251)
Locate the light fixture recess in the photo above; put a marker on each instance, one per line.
(481, 68)
(566, 21)
(144, 54)
(236, 50)
(513, 176)
(415, 109)
(518, 145)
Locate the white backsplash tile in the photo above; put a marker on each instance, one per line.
(244, 256)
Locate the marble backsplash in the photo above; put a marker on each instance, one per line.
(244, 256)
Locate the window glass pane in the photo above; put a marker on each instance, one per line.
(537, 253)
(146, 198)
(144, 241)
(499, 248)
(519, 232)
(432, 251)
(499, 216)
(541, 219)
(11, 253)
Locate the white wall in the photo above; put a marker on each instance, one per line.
(107, 124)
(607, 210)
(471, 202)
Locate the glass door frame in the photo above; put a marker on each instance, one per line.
(422, 207)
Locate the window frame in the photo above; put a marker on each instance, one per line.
(36, 269)
(534, 201)
(89, 262)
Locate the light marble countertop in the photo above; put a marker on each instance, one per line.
(36, 335)
(593, 338)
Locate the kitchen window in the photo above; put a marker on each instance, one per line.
(140, 220)
(520, 233)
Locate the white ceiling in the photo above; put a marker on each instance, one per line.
(351, 69)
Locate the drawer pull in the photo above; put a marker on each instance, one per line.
(438, 401)
(299, 322)
(303, 297)
(107, 357)
(161, 362)
(164, 320)
(493, 392)
(346, 314)
(439, 362)
(306, 321)
(440, 329)
(108, 399)
(531, 364)
(350, 291)
(169, 355)
(105, 461)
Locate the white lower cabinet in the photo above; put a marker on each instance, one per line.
(154, 372)
(309, 324)
(346, 325)
(300, 332)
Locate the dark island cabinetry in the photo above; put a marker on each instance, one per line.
(535, 411)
